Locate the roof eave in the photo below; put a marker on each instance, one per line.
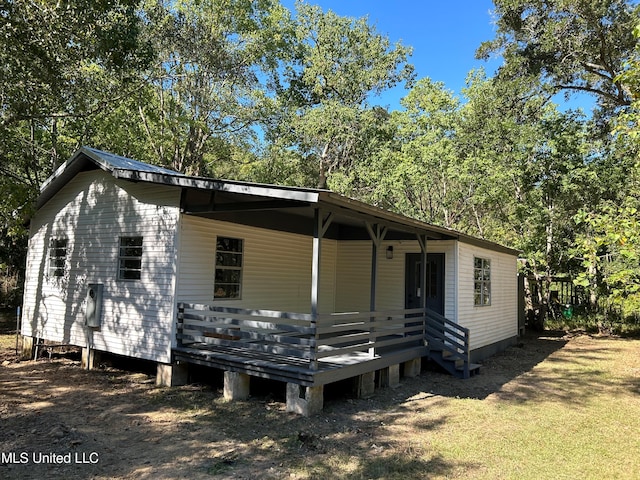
(321, 198)
(409, 223)
(65, 172)
(261, 190)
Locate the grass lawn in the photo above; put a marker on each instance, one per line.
(556, 406)
(576, 414)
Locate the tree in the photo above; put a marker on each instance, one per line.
(495, 138)
(609, 246)
(574, 46)
(323, 94)
(526, 169)
(63, 61)
(569, 45)
(198, 104)
(414, 172)
(61, 64)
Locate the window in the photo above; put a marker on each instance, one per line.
(482, 281)
(130, 258)
(57, 256)
(228, 276)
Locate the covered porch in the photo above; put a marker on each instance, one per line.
(315, 347)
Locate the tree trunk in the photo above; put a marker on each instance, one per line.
(537, 320)
(530, 311)
(322, 173)
(593, 286)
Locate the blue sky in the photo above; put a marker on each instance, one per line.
(444, 34)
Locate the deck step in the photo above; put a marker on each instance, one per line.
(454, 366)
(448, 345)
(474, 369)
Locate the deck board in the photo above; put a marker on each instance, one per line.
(295, 370)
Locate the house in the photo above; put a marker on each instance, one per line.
(300, 285)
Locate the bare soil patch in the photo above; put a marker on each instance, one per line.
(114, 423)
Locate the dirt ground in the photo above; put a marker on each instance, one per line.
(59, 421)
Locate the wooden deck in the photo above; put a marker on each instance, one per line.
(291, 369)
(298, 348)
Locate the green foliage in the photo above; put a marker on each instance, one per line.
(202, 96)
(62, 63)
(338, 64)
(414, 169)
(609, 242)
(611, 250)
(342, 59)
(54, 53)
(587, 197)
(247, 89)
(569, 45)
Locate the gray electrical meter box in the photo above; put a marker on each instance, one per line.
(93, 309)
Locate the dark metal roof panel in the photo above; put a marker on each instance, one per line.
(244, 188)
(111, 162)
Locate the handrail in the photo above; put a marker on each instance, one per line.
(300, 335)
(449, 336)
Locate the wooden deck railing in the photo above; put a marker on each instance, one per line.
(299, 335)
(448, 337)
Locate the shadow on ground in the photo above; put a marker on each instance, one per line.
(498, 370)
(141, 431)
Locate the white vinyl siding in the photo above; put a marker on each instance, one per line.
(93, 211)
(353, 276)
(353, 288)
(490, 323)
(276, 267)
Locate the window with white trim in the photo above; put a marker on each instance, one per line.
(57, 256)
(130, 258)
(481, 281)
(228, 274)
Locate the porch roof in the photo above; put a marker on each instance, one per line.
(261, 205)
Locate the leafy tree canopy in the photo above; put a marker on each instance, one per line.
(338, 64)
(570, 45)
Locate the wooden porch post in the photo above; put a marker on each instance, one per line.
(320, 226)
(422, 240)
(377, 234)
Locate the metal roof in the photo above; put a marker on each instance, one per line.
(215, 198)
(112, 162)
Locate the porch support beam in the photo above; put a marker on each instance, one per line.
(90, 358)
(320, 225)
(377, 233)
(422, 240)
(412, 367)
(365, 384)
(28, 348)
(172, 374)
(390, 376)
